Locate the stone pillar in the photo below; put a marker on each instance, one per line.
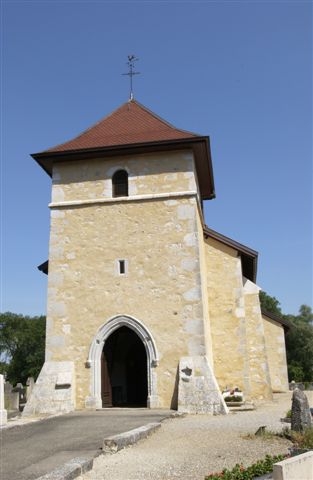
(3, 412)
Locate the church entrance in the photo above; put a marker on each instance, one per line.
(124, 370)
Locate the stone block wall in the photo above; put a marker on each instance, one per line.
(276, 353)
(259, 374)
(237, 331)
(227, 315)
(155, 231)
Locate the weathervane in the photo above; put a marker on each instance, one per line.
(131, 64)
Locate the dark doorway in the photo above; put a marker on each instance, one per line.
(124, 370)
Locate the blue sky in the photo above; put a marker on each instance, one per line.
(240, 72)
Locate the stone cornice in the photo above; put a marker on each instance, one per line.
(133, 198)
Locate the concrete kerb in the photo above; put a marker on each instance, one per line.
(79, 466)
(299, 467)
(117, 442)
(70, 470)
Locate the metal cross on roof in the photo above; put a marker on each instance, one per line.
(131, 64)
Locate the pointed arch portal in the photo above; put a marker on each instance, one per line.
(122, 359)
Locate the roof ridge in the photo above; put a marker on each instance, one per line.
(118, 110)
(155, 115)
(79, 135)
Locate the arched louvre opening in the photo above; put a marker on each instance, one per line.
(120, 184)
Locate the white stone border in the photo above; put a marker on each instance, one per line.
(95, 351)
(132, 198)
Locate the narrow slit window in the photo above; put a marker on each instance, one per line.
(122, 269)
(120, 184)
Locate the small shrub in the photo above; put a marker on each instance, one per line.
(239, 472)
(288, 414)
(285, 433)
(233, 399)
(266, 434)
(303, 439)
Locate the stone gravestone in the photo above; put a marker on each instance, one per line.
(20, 391)
(3, 412)
(30, 382)
(300, 411)
(11, 399)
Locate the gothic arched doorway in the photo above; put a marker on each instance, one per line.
(95, 359)
(124, 370)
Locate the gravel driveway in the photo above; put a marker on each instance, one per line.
(191, 447)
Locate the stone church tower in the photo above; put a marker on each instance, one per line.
(134, 311)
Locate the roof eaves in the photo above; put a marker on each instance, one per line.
(286, 324)
(82, 134)
(229, 241)
(66, 154)
(249, 256)
(44, 267)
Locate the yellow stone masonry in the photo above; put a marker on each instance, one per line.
(143, 308)
(260, 384)
(276, 353)
(159, 241)
(188, 294)
(227, 315)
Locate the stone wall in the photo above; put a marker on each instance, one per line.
(187, 293)
(259, 374)
(152, 174)
(238, 338)
(227, 315)
(155, 230)
(204, 293)
(276, 353)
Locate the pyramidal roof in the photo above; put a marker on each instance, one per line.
(133, 129)
(129, 124)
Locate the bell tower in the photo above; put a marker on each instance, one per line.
(126, 261)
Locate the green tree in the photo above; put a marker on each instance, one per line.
(299, 345)
(305, 314)
(299, 338)
(22, 346)
(270, 304)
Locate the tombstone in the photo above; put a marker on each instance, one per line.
(30, 382)
(3, 412)
(20, 391)
(300, 411)
(7, 387)
(11, 399)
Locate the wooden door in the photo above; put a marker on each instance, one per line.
(106, 389)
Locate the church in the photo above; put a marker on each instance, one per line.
(147, 305)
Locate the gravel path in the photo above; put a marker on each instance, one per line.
(191, 447)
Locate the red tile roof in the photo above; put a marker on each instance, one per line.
(133, 129)
(131, 123)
